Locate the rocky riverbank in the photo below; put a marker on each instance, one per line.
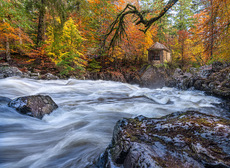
(149, 76)
(214, 79)
(9, 71)
(185, 140)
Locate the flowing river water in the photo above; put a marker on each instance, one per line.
(81, 128)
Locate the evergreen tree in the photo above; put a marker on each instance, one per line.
(65, 51)
(183, 21)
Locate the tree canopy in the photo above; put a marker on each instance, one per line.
(72, 37)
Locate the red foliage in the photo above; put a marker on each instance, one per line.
(41, 62)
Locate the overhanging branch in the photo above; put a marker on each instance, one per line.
(118, 26)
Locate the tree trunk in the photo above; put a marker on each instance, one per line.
(182, 51)
(8, 57)
(212, 32)
(40, 33)
(20, 36)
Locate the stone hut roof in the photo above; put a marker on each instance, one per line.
(158, 46)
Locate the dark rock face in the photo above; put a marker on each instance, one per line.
(154, 77)
(35, 106)
(213, 79)
(6, 71)
(185, 140)
(113, 76)
(149, 76)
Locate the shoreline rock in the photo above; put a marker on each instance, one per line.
(186, 140)
(154, 77)
(7, 71)
(34, 106)
(149, 76)
(213, 79)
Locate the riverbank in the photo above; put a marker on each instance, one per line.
(213, 79)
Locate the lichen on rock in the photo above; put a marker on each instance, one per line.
(186, 139)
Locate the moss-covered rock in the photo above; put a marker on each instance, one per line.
(184, 140)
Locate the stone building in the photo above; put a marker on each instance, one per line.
(158, 54)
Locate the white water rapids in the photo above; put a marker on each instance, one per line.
(81, 128)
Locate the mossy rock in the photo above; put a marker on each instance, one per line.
(189, 139)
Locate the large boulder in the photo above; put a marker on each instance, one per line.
(185, 140)
(153, 77)
(35, 106)
(7, 71)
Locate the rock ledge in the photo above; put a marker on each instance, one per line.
(185, 140)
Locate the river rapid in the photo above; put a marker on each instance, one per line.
(81, 128)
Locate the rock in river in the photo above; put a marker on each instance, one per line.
(186, 140)
(35, 106)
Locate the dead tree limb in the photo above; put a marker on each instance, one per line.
(118, 26)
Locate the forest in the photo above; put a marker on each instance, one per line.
(73, 37)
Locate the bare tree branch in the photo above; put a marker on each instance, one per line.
(118, 26)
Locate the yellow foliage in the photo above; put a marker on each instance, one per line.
(64, 48)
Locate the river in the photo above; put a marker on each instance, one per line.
(81, 128)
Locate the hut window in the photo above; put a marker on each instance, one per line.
(156, 55)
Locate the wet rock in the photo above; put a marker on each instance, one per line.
(224, 105)
(112, 76)
(6, 71)
(154, 77)
(222, 92)
(185, 140)
(205, 71)
(178, 72)
(35, 75)
(35, 106)
(217, 66)
(226, 84)
(213, 79)
(26, 75)
(180, 80)
(49, 76)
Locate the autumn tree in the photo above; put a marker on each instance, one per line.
(67, 52)
(14, 23)
(216, 27)
(183, 22)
